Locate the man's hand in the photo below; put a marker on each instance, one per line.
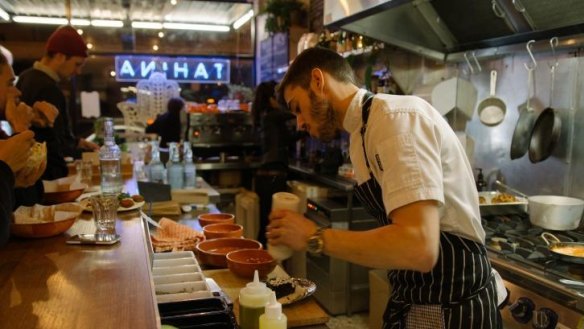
(44, 114)
(15, 150)
(19, 116)
(26, 180)
(87, 145)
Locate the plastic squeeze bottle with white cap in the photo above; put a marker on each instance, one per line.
(273, 318)
(252, 302)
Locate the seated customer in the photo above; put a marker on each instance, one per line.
(168, 125)
(14, 151)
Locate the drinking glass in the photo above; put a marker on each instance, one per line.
(105, 212)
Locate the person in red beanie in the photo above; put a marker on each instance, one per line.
(65, 54)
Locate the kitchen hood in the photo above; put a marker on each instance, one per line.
(437, 28)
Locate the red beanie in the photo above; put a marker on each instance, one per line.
(67, 41)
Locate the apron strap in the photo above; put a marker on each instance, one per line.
(367, 100)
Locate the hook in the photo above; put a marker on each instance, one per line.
(528, 47)
(468, 63)
(497, 10)
(554, 43)
(477, 62)
(520, 8)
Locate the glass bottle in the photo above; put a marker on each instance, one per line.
(175, 169)
(156, 166)
(189, 167)
(109, 161)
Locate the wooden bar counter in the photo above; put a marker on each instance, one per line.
(46, 283)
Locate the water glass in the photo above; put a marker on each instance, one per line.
(87, 172)
(105, 212)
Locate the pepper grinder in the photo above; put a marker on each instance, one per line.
(480, 180)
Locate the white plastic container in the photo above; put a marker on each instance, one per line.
(252, 302)
(273, 318)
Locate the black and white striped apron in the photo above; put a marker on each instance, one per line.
(460, 292)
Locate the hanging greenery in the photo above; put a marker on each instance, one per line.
(280, 14)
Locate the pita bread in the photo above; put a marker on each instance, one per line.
(172, 236)
(46, 214)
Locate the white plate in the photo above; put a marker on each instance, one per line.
(304, 288)
(82, 199)
(491, 194)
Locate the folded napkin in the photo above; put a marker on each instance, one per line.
(172, 236)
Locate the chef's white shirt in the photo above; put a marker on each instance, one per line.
(415, 155)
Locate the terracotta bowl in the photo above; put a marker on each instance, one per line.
(62, 196)
(212, 252)
(41, 230)
(221, 218)
(214, 231)
(244, 262)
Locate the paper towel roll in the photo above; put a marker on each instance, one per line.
(283, 200)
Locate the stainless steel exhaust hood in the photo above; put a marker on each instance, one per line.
(436, 28)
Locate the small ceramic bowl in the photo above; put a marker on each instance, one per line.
(41, 230)
(220, 218)
(62, 196)
(214, 231)
(212, 252)
(244, 262)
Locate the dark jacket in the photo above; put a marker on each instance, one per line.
(168, 127)
(36, 85)
(278, 137)
(6, 201)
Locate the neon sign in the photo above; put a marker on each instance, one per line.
(182, 69)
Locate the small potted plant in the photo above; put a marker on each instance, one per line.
(281, 14)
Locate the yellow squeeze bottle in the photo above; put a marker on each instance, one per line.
(252, 302)
(273, 318)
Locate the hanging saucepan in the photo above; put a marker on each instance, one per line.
(524, 126)
(547, 127)
(492, 109)
(571, 252)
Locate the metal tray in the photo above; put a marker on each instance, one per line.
(497, 209)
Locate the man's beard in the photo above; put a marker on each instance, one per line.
(324, 116)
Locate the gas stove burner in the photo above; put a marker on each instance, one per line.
(577, 271)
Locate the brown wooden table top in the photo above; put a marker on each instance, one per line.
(46, 283)
(303, 313)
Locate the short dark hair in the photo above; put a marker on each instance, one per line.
(323, 58)
(175, 104)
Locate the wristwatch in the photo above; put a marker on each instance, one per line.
(316, 243)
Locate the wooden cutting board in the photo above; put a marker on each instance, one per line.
(303, 313)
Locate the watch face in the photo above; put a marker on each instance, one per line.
(315, 244)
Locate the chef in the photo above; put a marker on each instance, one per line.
(413, 175)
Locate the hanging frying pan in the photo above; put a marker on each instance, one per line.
(547, 128)
(492, 109)
(524, 126)
(545, 135)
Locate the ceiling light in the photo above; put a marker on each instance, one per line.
(4, 15)
(161, 34)
(89, 45)
(40, 20)
(147, 25)
(112, 73)
(196, 27)
(155, 47)
(173, 2)
(106, 23)
(80, 31)
(80, 22)
(243, 19)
